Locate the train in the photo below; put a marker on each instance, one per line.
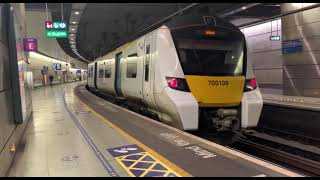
(191, 72)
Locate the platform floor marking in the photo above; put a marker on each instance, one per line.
(260, 175)
(138, 163)
(95, 149)
(174, 167)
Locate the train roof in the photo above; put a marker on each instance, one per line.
(180, 21)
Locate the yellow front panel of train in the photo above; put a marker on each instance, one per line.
(216, 91)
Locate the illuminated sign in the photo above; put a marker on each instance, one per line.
(56, 34)
(56, 29)
(275, 38)
(56, 66)
(56, 25)
(30, 44)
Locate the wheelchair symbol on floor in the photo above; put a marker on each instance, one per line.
(125, 150)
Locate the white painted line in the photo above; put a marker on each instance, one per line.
(260, 175)
(273, 167)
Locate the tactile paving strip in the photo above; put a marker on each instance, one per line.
(139, 163)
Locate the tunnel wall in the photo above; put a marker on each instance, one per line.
(292, 74)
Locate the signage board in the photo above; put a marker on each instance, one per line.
(56, 34)
(30, 44)
(78, 71)
(275, 38)
(56, 25)
(56, 29)
(56, 66)
(292, 46)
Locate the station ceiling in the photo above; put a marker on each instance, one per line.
(103, 26)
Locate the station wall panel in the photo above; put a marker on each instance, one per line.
(3, 28)
(267, 60)
(4, 68)
(302, 69)
(7, 117)
(269, 76)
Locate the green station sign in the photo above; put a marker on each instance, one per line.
(57, 34)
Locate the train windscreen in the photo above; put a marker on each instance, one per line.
(213, 52)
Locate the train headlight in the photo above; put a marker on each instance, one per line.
(251, 84)
(178, 84)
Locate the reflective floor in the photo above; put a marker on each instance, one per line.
(52, 144)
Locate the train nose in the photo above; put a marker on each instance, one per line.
(214, 91)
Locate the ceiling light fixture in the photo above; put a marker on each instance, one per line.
(77, 12)
(244, 8)
(74, 22)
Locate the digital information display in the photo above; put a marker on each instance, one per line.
(56, 66)
(56, 29)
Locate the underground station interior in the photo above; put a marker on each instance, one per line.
(159, 89)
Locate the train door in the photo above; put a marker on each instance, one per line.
(95, 75)
(147, 69)
(117, 82)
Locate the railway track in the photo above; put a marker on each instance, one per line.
(297, 137)
(297, 159)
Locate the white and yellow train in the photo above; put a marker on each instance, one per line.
(191, 72)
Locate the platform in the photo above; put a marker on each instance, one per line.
(75, 133)
(298, 102)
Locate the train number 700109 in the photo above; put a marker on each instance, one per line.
(218, 83)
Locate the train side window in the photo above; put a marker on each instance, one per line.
(107, 71)
(91, 74)
(146, 69)
(101, 71)
(132, 66)
(132, 70)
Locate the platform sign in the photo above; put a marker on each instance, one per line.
(292, 46)
(56, 33)
(56, 25)
(30, 44)
(275, 38)
(56, 29)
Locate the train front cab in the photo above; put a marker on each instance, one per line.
(214, 67)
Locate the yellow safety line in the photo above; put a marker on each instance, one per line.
(135, 141)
